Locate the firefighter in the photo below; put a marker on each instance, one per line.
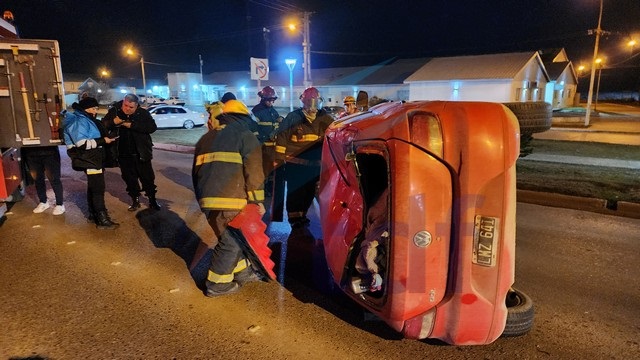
(299, 147)
(349, 104)
(227, 175)
(268, 121)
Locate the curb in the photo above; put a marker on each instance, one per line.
(175, 148)
(622, 208)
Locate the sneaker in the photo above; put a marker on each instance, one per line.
(245, 276)
(41, 207)
(58, 210)
(217, 289)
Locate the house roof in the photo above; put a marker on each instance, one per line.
(391, 71)
(555, 69)
(475, 67)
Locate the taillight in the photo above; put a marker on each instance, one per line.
(426, 132)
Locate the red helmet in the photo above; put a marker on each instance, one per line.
(311, 98)
(268, 93)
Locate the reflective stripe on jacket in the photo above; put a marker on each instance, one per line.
(227, 166)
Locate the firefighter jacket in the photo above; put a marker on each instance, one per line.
(300, 140)
(227, 167)
(268, 121)
(135, 140)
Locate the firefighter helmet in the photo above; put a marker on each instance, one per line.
(235, 107)
(311, 98)
(349, 100)
(268, 93)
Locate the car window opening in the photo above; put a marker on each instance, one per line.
(370, 260)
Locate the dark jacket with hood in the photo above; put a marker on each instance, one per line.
(135, 140)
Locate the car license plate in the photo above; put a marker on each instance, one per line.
(485, 240)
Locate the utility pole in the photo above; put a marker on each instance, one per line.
(306, 49)
(593, 68)
(201, 78)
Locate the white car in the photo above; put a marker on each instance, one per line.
(175, 116)
(174, 100)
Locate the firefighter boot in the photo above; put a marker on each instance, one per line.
(153, 203)
(135, 203)
(104, 222)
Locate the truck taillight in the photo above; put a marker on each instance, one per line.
(426, 132)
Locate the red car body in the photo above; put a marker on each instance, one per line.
(449, 171)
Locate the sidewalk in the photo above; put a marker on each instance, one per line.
(615, 124)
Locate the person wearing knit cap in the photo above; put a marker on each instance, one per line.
(85, 137)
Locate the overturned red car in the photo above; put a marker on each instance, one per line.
(417, 202)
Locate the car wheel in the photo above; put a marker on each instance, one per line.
(533, 117)
(188, 124)
(520, 313)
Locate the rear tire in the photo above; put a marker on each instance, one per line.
(533, 117)
(520, 313)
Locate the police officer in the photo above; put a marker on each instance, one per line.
(227, 175)
(268, 122)
(299, 146)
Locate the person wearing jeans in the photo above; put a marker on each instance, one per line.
(45, 161)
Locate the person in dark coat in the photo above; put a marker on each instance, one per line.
(85, 138)
(134, 126)
(227, 175)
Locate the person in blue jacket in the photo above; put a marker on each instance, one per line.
(85, 137)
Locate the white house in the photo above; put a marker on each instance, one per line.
(561, 91)
(509, 77)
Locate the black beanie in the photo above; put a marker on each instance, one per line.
(88, 103)
(227, 96)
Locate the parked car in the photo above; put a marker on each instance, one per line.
(150, 99)
(174, 100)
(175, 116)
(437, 179)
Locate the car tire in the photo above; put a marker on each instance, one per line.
(533, 117)
(188, 124)
(520, 313)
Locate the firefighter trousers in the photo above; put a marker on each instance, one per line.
(228, 258)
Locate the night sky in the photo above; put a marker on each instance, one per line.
(172, 34)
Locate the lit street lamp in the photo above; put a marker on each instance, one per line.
(291, 63)
(129, 51)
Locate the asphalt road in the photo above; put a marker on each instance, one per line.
(70, 291)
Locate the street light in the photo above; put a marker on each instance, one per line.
(104, 73)
(291, 63)
(131, 52)
(306, 47)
